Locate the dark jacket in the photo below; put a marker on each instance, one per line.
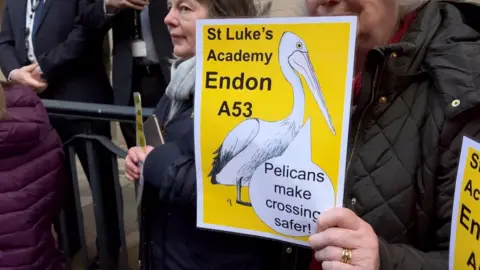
(419, 97)
(122, 24)
(69, 54)
(171, 240)
(31, 173)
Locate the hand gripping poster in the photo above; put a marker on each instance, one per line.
(272, 108)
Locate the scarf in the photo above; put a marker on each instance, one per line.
(181, 86)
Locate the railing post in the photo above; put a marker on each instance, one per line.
(121, 224)
(78, 204)
(95, 112)
(93, 173)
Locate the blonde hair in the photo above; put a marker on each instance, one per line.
(237, 8)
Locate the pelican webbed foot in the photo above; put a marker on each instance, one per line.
(239, 193)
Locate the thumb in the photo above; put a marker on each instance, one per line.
(30, 68)
(143, 152)
(141, 155)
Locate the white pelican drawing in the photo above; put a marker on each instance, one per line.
(254, 141)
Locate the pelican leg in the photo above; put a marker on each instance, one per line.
(239, 193)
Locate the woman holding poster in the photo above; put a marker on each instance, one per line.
(417, 92)
(170, 238)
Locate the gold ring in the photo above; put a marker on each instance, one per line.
(347, 256)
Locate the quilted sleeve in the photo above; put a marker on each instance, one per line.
(173, 173)
(400, 256)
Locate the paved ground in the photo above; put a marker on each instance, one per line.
(131, 230)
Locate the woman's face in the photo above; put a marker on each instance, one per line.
(377, 19)
(180, 21)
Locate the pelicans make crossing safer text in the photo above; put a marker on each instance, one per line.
(254, 141)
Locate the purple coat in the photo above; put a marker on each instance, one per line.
(31, 173)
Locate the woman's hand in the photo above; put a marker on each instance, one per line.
(134, 156)
(341, 234)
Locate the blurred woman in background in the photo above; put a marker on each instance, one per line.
(172, 241)
(31, 172)
(416, 94)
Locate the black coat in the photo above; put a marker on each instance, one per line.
(122, 24)
(170, 238)
(69, 54)
(419, 97)
(122, 58)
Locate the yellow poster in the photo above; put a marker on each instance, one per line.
(272, 108)
(465, 230)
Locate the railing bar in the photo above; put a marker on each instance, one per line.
(86, 110)
(87, 117)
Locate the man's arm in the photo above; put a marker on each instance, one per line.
(80, 39)
(8, 59)
(96, 13)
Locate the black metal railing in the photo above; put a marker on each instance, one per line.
(102, 112)
(93, 111)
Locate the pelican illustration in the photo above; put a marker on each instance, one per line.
(254, 140)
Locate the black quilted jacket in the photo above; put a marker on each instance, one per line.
(419, 97)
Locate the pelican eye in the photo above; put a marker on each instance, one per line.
(299, 45)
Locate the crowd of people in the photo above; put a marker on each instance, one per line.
(416, 93)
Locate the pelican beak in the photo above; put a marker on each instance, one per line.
(302, 64)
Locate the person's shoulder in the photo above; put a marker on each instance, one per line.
(24, 105)
(20, 96)
(162, 108)
(456, 40)
(452, 57)
(460, 22)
